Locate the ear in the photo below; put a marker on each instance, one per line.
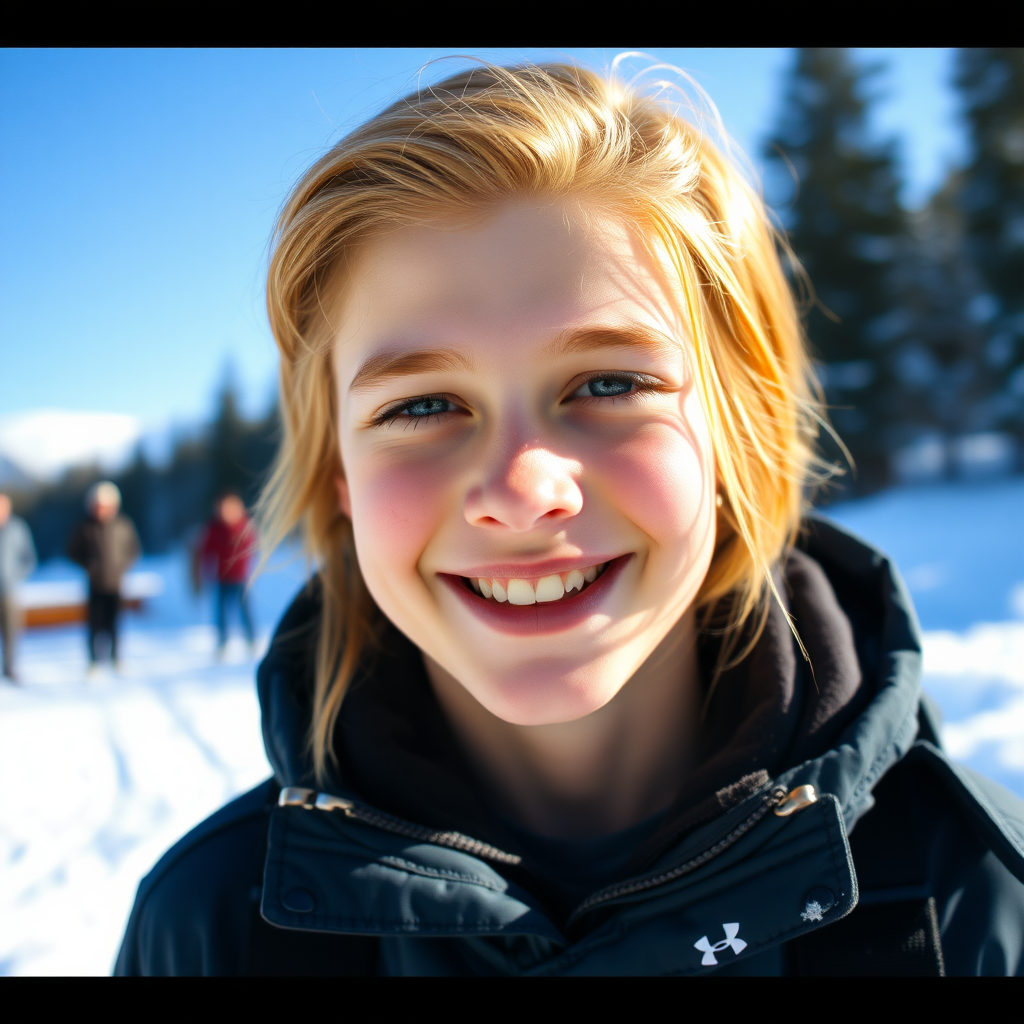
(344, 500)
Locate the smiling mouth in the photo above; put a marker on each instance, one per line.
(535, 590)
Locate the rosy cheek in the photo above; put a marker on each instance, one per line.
(396, 509)
(661, 479)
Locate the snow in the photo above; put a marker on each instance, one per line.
(112, 771)
(961, 552)
(44, 442)
(959, 547)
(109, 772)
(50, 592)
(104, 774)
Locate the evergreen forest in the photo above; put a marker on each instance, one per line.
(915, 317)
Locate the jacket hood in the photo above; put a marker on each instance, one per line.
(836, 722)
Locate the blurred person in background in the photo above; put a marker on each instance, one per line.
(225, 549)
(17, 563)
(105, 544)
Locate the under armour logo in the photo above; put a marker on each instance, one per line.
(814, 911)
(730, 940)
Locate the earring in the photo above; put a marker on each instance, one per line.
(718, 500)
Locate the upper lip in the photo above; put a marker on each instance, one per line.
(529, 570)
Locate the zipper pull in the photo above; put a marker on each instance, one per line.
(326, 802)
(296, 796)
(795, 800)
(299, 796)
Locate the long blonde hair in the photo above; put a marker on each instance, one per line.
(478, 138)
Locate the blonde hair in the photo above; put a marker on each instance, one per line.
(483, 136)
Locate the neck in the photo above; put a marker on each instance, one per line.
(601, 773)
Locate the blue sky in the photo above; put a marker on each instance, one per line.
(138, 189)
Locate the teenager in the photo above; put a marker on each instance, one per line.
(579, 686)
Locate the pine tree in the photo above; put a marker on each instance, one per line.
(240, 451)
(226, 450)
(137, 483)
(940, 365)
(990, 196)
(847, 228)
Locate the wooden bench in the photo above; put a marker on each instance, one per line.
(60, 602)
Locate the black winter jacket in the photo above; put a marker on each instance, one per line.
(824, 833)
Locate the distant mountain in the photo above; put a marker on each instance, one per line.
(44, 443)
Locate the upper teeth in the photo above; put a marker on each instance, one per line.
(538, 590)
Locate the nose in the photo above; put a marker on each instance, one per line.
(530, 487)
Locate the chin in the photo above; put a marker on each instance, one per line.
(546, 694)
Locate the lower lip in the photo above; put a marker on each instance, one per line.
(538, 619)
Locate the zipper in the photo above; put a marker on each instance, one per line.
(775, 799)
(309, 799)
(771, 800)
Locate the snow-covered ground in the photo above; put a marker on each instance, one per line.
(102, 775)
(961, 551)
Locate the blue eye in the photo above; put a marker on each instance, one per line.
(427, 407)
(608, 387)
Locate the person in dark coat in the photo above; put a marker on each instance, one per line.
(17, 563)
(226, 545)
(580, 686)
(106, 545)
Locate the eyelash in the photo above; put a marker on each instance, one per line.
(642, 385)
(386, 417)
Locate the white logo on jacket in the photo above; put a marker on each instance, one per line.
(814, 911)
(730, 941)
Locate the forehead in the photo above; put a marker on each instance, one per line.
(520, 277)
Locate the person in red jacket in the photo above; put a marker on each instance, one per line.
(225, 549)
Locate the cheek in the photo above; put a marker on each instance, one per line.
(396, 509)
(662, 479)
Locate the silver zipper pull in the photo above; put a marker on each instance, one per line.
(796, 800)
(299, 796)
(326, 802)
(296, 796)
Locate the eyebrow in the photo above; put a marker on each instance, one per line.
(588, 339)
(382, 368)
